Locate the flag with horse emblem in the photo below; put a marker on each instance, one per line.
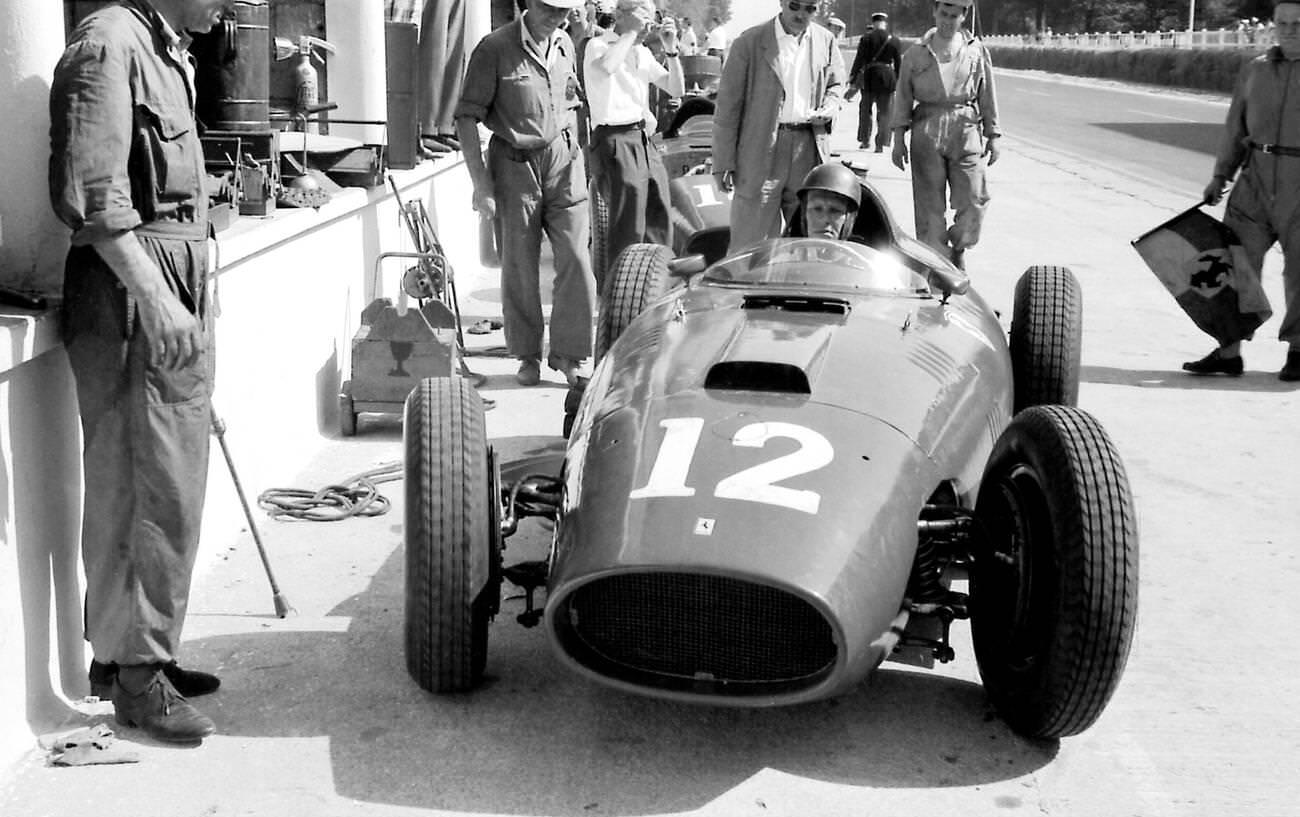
(1201, 262)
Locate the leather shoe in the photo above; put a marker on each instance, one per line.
(530, 371)
(434, 144)
(145, 699)
(188, 682)
(1215, 363)
(574, 371)
(1291, 369)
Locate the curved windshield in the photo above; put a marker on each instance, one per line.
(817, 263)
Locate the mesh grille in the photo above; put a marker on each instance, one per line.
(685, 630)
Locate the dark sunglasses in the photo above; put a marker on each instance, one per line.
(811, 8)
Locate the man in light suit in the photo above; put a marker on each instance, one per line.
(782, 85)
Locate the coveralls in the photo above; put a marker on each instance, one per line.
(949, 127)
(626, 167)
(1264, 205)
(539, 183)
(126, 156)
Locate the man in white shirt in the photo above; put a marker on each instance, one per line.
(626, 167)
(715, 44)
(772, 127)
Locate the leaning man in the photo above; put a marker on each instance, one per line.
(522, 83)
(626, 168)
(1261, 147)
(126, 175)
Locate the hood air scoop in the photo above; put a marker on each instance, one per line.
(798, 303)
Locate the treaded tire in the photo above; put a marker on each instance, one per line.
(638, 276)
(1046, 337)
(599, 238)
(452, 535)
(1054, 583)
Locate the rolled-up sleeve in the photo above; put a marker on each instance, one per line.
(480, 87)
(90, 142)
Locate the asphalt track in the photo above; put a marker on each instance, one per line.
(317, 715)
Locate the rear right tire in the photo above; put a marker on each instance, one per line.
(1046, 337)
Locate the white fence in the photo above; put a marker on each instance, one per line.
(1222, 38)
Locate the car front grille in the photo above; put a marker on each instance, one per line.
(696, 632)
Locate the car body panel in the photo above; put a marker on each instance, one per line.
(785, 436)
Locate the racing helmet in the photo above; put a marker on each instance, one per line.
(833, 177)
(838, 180)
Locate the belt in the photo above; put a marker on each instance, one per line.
(795, 126)
(1279, 150)
(515, 154)
(637, 125)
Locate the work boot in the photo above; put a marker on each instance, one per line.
(1216, 363)
(1291, 369)
(574, 371)
(189, 683)
(145, 699)
(530, 371)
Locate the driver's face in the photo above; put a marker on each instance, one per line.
(825, 214)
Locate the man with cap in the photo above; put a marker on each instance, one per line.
(782, 85)
(946, 99)
(626, 167)
(829, 196)
(875, 74)
(836, 26)
(1261, 147)
(522, 84)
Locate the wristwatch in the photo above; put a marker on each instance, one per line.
(670, 54)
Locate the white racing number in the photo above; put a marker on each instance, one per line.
(755, 484)
(706, 195)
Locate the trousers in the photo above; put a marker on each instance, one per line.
(757, 218)
(1263, 209)
(442, 64)
(545, 193)
(145, 455)
(633, 182)
(947, 165)
(882, 102)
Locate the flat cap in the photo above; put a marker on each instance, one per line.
(879, 15)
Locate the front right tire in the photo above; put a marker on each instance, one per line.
(1054, 575)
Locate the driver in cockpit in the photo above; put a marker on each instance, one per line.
(829, 199)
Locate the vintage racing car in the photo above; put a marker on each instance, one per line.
(792, 464)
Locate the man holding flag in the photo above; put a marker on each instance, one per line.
(1262, 141)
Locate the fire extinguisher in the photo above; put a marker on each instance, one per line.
(306, 85)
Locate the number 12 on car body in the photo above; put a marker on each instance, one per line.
(672, 465)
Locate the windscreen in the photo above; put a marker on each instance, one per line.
(818, 263)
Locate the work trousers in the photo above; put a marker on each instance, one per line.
(145, 432)
(882, 102)
(442, 64)
(1263, 209)
(544, 193)
(633, 182)
(757, 218)
(947, 165)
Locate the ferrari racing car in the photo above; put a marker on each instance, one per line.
(792, 464)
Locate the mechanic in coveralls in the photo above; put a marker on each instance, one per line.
(522, 83)
(830, 196)
(126, 175)
(1262, 141)
(945, 98)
